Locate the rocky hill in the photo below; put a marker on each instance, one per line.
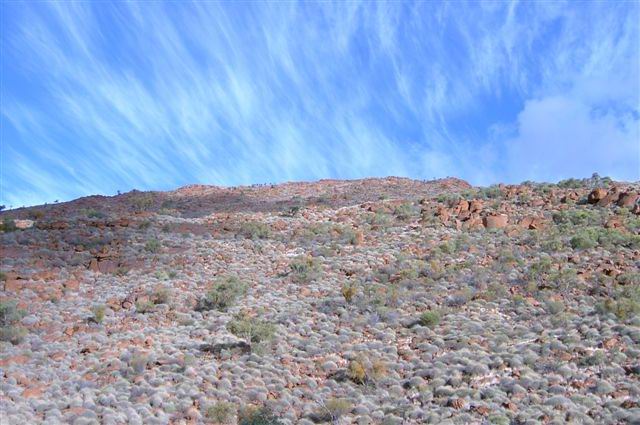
(376, 301)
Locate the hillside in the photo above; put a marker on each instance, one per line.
(369, 301)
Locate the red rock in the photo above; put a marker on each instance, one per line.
(23, 224)
(14, 285)
(571, 196)
(58, 356)
(72, 285)
(475, 206)
(610, 198)
(495, 221)
(628, 199)
(33, 392)
(107, 266)
(613, 223)
(531, 222)
(462, 206)
(596, 195)
(13, 360)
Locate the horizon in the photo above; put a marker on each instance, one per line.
(6, 208)
(107, 97)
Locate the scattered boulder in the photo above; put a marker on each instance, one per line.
(596, 195)
(495, 221)
(531, 223)
(628, 199)
(23, 224)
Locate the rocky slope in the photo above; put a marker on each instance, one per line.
(377, 301)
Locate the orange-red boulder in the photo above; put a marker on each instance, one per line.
(628, 199)
(596, 195)
(495, 221)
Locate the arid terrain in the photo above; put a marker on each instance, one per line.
(376, 301)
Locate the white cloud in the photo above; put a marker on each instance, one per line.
(559, 137)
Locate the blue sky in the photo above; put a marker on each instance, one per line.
(106, 96)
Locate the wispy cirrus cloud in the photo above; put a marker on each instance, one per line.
(106, 96)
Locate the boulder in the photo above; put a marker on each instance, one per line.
(495, 221)
(611, 198)
(628, 199)
(596, 195)
(531, 223)
(475, 206)
(23, 224)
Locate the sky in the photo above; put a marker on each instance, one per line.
(100, 97)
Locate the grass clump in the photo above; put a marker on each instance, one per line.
(221, 413)
(161, 295)
(152, 245)
(98, 313)
(304, 269)
(93, 213)
(348, 291)
(624, 304)
(253, 415)
(251, 328)
(333, 409)
(255, 230)
(144, 307)
(403, 211)
(223, 294)
(10, 315)
(142, 202)
(8, 225)
(430, 318)
(362, 370)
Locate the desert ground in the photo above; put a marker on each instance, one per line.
(375, 301)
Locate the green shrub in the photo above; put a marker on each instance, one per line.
(554, 307)
(628, 278)
(8, 225)
(380, 219)
(10, 316)
(98, 313)
(430, 318)
(251, 328)
(93, 213)
(223, 294)
(571, 183)
(404, 211)
(625, 303)
(491, 192)
(362, 370)
(252, 415)
(348, 291)
(304, 269)
(357, 372)
(144, 306)
(337, 407)
(255, 230)
(584, 240)
(152, 245)
(161, 295)
(142, 201)
(221, 413)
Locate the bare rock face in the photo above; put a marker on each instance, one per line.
(495, 221)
